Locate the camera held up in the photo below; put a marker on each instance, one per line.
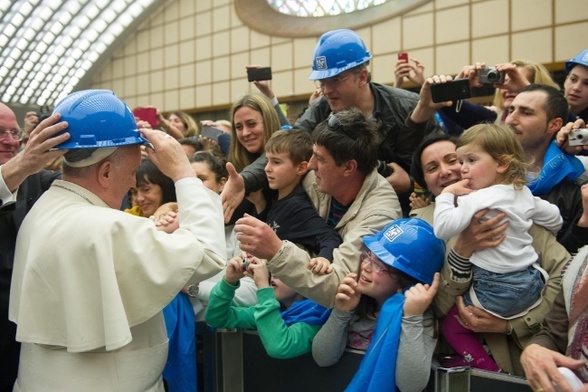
(578, 137)
(43, 113)
(490, 75)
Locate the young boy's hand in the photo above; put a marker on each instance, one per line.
(257, 269)
(347, 296)
(320, 266)
(234, 271)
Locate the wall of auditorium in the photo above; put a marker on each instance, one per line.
(191, 54)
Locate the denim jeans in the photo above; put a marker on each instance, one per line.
(506, 294)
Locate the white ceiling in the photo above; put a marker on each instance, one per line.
(48, 48)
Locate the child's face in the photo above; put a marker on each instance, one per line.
(281, 172)
(479, 167)
(375, 279)
(207, 176)
(283, 293)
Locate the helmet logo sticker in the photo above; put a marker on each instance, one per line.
(393, 232)
(585, 58)
(321, 62)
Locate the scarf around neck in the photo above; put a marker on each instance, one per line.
(557, 165)
(306, 311)
(377, 370)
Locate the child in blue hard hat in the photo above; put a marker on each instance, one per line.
(576, 85)
(384, 309)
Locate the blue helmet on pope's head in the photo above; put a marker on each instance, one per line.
(409, 245)
(336, 52)
(97, 119)
(580, 59)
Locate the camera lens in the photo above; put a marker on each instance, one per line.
(493, 76)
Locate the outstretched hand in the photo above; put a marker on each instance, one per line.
(233, 192)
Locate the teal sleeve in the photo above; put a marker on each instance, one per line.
(281, 341)
(221, 314)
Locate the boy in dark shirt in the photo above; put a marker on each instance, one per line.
(292, 215)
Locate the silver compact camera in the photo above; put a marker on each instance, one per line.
(578, 137)
(490, 75)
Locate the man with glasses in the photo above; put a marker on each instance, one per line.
(22, 181)
(347, 192)
(340, 70)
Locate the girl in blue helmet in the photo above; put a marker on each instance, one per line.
(384, 309)
(576, 85)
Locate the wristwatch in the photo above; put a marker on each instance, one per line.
(192, 290)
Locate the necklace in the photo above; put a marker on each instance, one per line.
(73, 191)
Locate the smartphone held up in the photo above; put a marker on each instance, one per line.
(259, 73)
(451, 91)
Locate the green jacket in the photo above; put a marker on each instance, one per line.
(280, 341)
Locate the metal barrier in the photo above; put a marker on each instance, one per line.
(236, 361)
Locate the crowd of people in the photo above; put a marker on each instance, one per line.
(380, 221)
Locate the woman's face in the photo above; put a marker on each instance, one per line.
(149, 198)
(440, 166)
(375, 279)
(208, 177)
(177, 122)
(249, 129)
(509, 95)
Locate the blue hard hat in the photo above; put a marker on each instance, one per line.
(409, 245)
(96, 119)
(580, 59)
(336, 52)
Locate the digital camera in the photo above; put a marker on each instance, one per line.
(490, 75)
(43, 113)
(578, 137)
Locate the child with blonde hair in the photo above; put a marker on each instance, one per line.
(507, 281)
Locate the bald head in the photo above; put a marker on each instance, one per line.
(7, 113)
(8, 145)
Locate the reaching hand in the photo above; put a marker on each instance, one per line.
(257, 238)
(233, 192)
(320, 266)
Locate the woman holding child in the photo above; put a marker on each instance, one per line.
(435, 166)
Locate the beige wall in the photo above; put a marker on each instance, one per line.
(191, 54)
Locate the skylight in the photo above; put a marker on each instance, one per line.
(47, 46)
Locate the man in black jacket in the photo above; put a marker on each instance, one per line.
(22, 181)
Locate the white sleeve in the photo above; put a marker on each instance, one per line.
(6, 195)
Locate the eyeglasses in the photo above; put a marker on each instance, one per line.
(15, 134)
(377, 267)
(335, 125)
(330, 82)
